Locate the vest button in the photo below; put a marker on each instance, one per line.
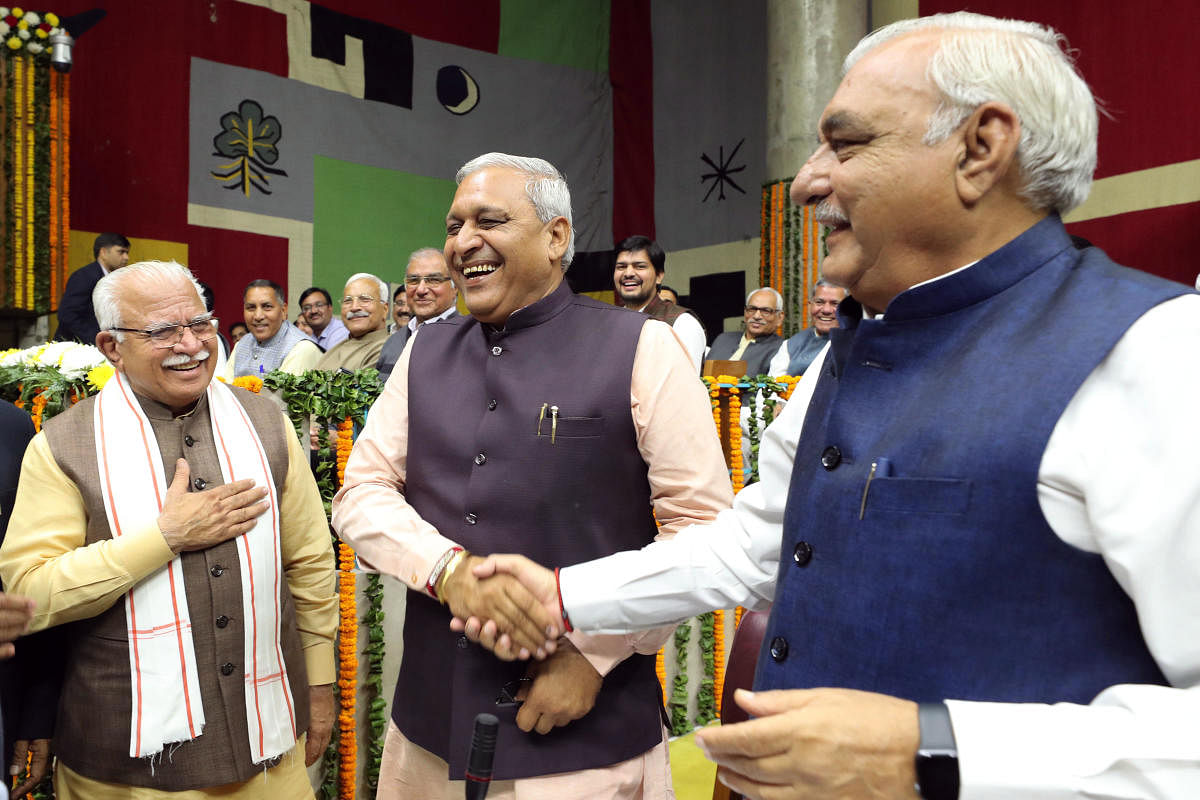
(188, 440)
(470, 519)
(779, 648)
(830, 457)
(216, 571)
(222, 621)
(492, 405)
(497, 350)
(227, 668)
(481, 459)
(802, 554)
(199, 483)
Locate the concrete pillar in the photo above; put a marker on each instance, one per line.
(806, 42)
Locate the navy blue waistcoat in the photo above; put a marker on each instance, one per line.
(493, 470)
(952, 585)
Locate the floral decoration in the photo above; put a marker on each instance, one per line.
(27, 30)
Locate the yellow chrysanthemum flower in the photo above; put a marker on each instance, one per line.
(52, 18)
(13, 43)
(98, 376)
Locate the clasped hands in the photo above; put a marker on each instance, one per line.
(799, 743)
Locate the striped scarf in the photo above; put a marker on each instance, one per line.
(165, 700)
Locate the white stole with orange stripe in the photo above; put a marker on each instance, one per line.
(165, 692)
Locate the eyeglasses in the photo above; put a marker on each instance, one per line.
(314, 306)
(363, 299)
(761, 310)
(166, 336)
(434, 281)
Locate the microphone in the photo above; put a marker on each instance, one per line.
(479, 760)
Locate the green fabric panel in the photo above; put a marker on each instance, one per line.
(368, 219)
(569, 32)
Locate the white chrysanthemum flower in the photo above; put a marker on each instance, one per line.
(33, 19)
(34, 47)
(4, 26)
(24, 34)
(77, 362)
(10, 358)
(51, 354)
(4, 12)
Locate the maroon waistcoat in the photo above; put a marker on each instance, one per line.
(494, 471)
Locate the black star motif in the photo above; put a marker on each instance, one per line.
(722, 171)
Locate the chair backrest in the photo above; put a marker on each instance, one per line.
(739, 674)
(743, 656)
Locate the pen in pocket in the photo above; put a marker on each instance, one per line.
(880, 468)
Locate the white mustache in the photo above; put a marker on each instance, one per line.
(179, 359)
(829, 215)
(357, 314)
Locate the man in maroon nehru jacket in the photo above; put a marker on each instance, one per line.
(550, 424)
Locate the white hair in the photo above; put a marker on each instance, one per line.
(425, 252)
(1025, 66)
(106, 297)
(366, 276)
(545, 187)
(778, 297)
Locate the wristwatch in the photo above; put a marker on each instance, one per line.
(937, 754)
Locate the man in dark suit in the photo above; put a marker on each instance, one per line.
(431, 297)
(29, 682)
(764, 313)
(76, 319)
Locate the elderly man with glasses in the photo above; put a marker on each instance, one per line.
(764, 313)
(145, 516)
(364, 313)
(431, 297)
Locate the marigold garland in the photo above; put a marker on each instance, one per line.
(718, 658)
(347, 674)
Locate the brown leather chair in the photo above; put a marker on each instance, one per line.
(739, 674)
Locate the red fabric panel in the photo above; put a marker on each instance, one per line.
(129, 104)
(228, 260)
(443, 22)
(1162, 241)
(631, 70)
(1141, 64)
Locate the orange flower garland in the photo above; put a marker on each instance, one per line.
(718, 658)
(345, 441)
(737, 464)
(660, 669)
(37, 407)
(347, 674)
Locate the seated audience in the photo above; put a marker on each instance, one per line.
(430, 294)
(316, 306)
(364, 311)
(637, 275)
(799, 350)
(759, 342)
(272, 344)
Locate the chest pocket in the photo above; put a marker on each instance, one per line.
(919, 496)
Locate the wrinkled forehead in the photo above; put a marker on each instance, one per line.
(426, 266)
(150, 302)
(763, 299)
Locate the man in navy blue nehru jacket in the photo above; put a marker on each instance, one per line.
(979, 516)
(545, 423)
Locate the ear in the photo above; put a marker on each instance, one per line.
(106, 341)
(988, 155)
(560, 233)
(658, 280)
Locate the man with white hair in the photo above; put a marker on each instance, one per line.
(980, 521)
(173, 522)
(364, 313)
(759, 342)
(547, 423)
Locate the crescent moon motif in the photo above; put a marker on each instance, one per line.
(457, 91)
